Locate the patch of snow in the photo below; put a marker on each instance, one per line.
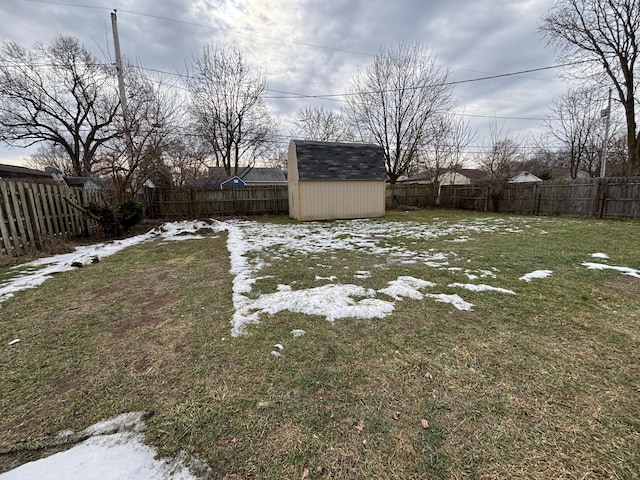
(536, 274)
(249, 242)
(275, 353)
(454, 300)
(104, 456)
(362, 274)
(406, 286)
(297, 333)
(600, 255)
(632, 272)
(329, 301)
(481, 288)
(129, 422)
(332, 278)
(460, 240)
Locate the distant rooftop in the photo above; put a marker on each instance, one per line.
(250, 175)
(14, 171)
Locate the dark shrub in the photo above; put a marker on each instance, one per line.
(118, 220)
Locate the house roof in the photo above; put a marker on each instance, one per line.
(234, 181)
(524, 177)
(472, 173)
(249, 175)
(14, 171)
(339, 161)
(83, 181)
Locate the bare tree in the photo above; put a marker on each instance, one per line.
(228, 107)
(187, 160)
(318, 123)
(605, 31)
(501, 160)
(51, 155)
(450, 137)
(573, 122)
(153, 116)
(394, 99)
(57, 94)
(616, 156)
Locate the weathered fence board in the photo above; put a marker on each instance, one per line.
(33, 214)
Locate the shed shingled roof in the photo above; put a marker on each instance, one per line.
(339, 161)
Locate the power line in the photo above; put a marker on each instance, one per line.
(443, 84)
(334, 97)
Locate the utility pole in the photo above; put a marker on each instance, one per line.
(123, 95)
(607, 113)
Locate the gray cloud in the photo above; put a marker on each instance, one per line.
(472, 38)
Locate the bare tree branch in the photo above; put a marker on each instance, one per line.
(228, 107)
(57, 93)
(393, 101)
(604, 31)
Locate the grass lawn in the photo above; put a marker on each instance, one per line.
(543, 383)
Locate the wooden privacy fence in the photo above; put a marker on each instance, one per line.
(411, 195)
(611, 198)
(614, 198)
(211, 201)
(34, 214)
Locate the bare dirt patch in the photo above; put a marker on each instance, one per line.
(147, 305)
(623, 285)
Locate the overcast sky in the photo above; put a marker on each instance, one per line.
(314, 47)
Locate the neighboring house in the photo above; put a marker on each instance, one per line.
(525, 177)
(562, 173)
(234, 181)
(88, 183)
(329, 181)
(461, 176)
(245, 176)
(15, 172)
(422, 178)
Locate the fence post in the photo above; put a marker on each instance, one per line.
(275, 199)
(595, 190)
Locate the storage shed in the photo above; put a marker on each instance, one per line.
(329, 181)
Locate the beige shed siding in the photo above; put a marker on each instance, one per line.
(340, 199)
(292, 162)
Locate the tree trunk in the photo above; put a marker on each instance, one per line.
(632, 140)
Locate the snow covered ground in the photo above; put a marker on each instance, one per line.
(252, 247)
